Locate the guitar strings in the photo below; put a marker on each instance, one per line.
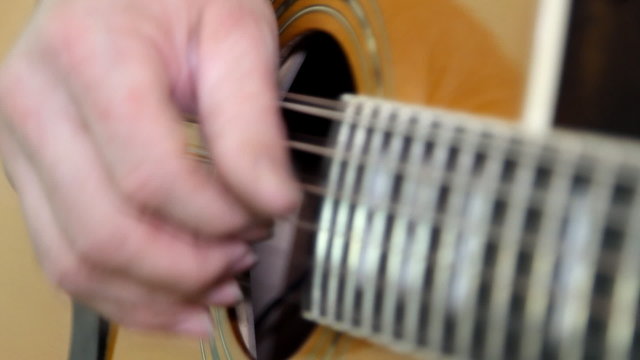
(333, 110)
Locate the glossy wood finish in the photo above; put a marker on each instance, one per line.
(464, 54)
(460, 54)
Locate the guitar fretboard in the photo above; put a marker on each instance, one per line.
(454, 234)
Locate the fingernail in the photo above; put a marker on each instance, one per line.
(226, 294)
(195, 325)
(244, 263)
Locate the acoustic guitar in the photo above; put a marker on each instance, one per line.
(467, 227)
(444, 213)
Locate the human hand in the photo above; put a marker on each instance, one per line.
(91, 99)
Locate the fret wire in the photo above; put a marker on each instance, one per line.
(484, 147)
(431, 180)
(356, 233)
(510, 238)
(370, 257)
(520, 282)
(478, 232)
(397, 229)
(580, 256)
(536, 201)
(626, 290)
(430, 199)
(402, 239)
(546, 256)
(607, 264)
(340, 236)
(586, 162)
(442, 297)
(323, 238)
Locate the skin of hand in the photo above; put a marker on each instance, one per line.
(91, 102)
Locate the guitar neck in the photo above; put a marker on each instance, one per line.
(457, 234)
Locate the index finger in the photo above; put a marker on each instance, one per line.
(238, 99)
(137, 130)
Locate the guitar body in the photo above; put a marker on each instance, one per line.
(470, 56)
(466, 55)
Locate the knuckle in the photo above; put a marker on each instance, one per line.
(233, 226)
(194, 280)
(56, 30)
(145, 186)
(90, 251)
(67, 276)
(64, 35)
(18, 108)
(103, 249)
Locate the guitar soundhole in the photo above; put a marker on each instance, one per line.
(325, 73)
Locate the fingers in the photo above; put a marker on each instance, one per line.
(121, 218)
(102, 229)
(120, 299)
(132, 116)
(237, 97)
(227, 293)
(136, 127)
(172, 260)
(112, 291)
